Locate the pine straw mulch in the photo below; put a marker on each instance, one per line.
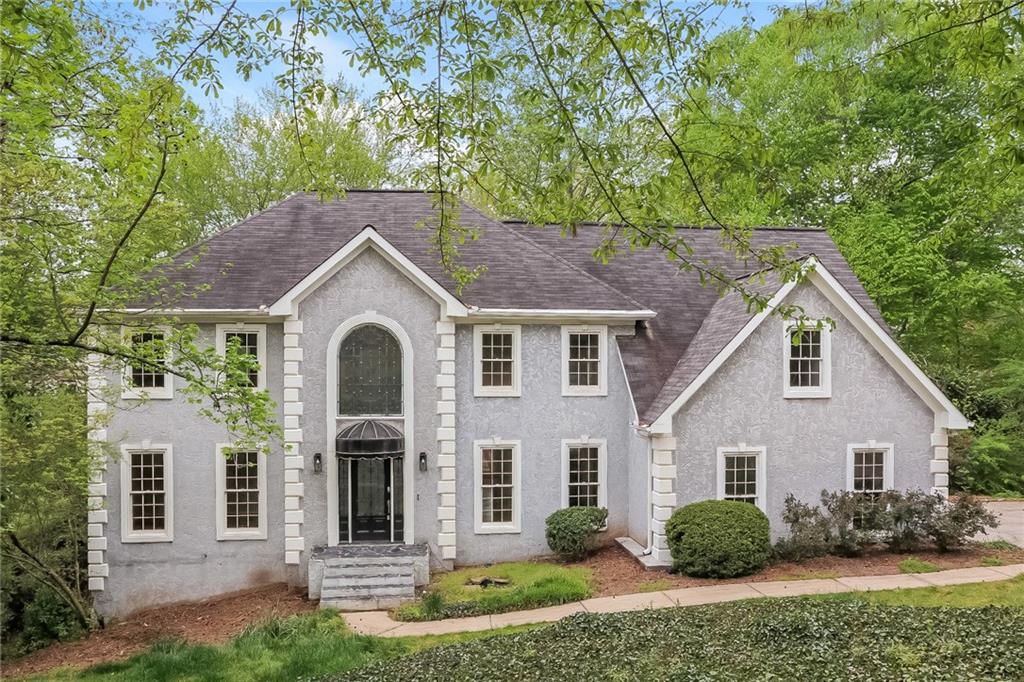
(614, 570)
(211, 621)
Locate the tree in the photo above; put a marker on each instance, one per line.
(243, 161)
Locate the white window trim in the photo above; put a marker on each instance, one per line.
(480, 527)
(261, 346)
(602, 382)
(127, 534)
(481, 391)
(762, 483)
(602, 467)
(888, 474)
(130, 392)
(823, 391)
(223, 532)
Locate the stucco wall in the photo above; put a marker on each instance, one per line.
(638, 456)
(541, 418)
(195, 564)
(806, 439)
(368, 283)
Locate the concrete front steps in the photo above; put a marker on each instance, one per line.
(367, 577)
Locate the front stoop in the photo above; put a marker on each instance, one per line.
(367, 577)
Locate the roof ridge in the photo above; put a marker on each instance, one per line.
(574, 267)
(683, 226)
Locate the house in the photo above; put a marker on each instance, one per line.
(426, 426)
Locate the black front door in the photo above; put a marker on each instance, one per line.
(371, 500)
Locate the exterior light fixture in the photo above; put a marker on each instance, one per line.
(423, 461)
(318, 463)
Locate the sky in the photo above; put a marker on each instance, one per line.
(333, 47)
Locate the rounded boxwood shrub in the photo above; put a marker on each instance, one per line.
(570, 532)
(718, 539)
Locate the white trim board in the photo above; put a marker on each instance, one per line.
(946, 414)
(288, 304)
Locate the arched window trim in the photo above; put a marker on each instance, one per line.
(397, 387)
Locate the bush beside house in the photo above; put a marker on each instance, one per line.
(718, 539)
(571, 532)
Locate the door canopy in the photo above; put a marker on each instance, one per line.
(369, 438)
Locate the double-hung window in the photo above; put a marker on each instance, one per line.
(147, 493)
(146, 376)
(808, 360)
(869, 468)
(583, 473)
(497, 368)
(249, 340)
(497, 507)
(241, 494)
(584, 360)
(741, 474)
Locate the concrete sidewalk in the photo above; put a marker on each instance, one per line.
(380, 623)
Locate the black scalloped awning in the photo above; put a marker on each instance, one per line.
(369, 438)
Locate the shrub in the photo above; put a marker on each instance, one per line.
(905, 517)
(570, 532)
(952, 524)
(846, 512)
(718, 539)
(810, 533)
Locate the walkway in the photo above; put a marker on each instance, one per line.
(1011, 521)
(380, 623)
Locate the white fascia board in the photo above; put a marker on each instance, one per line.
(287, 305)
(663, 424)
(560, 315)
(946, 414)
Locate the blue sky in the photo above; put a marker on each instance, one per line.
(332, 46)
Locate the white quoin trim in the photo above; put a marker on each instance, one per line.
(288, 304)
(446, 506)
(294, 464)
(946, 414)
(409, 460)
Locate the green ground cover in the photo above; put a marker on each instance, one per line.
(530, 585)
(867, 637)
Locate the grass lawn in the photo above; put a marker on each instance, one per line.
(874, 636)
(530, 585)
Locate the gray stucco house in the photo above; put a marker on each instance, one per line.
(427, 427)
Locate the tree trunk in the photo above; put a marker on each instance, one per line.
(84, 611)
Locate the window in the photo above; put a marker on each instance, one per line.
(741, 474)
(248, 339)
(869, 467)
(808, 360)
(147, 379)
(497, 367)
(146, 493)
(583, 473)
(370, 373)
(584, 361)
(497, 486)
(241, 494)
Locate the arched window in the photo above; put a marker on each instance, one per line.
(370, 373)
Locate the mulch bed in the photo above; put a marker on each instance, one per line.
(212, 621)
(615, 571)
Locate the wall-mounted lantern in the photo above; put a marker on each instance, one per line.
(423, 461)
(318, 463)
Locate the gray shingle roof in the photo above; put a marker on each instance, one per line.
(255, 262)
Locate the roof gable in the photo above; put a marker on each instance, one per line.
(727, 327)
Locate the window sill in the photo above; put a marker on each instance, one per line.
(146, 395)
(497, 530)
(137, 539)
(585, 393)
(806, 396)
(482, 393)
(232, 537)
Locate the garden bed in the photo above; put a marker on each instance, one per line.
(615, 571)
(799, 639)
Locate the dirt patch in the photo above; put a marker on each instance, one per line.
(615, 571)
(212, 621)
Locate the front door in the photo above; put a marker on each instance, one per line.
(371, 500)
